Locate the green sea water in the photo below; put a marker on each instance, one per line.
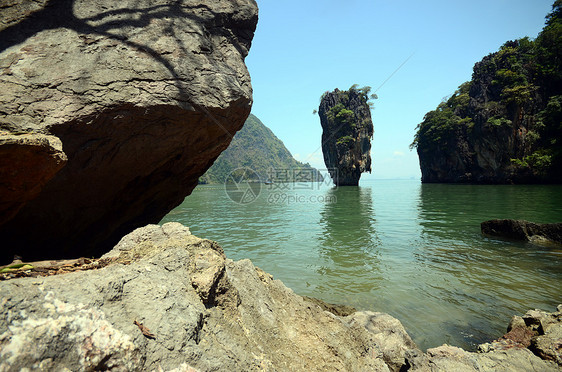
(412, 250)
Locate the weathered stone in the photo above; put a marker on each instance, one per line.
(339, 310)
(538, 331)
(524, 230)
(64, 336)
(143, 95)
(27, 163)
(388, 334)
(346, 138)
(548, 344)
(450, 358)
(252, 323)
(173, 302)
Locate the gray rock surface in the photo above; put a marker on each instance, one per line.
(204, 310)
(174, 302)
(389, 335)
(450, 358)
(538, 233)
(143, 95)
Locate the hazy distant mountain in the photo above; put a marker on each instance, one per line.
(256, 147)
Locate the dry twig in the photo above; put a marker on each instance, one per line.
(145, 331)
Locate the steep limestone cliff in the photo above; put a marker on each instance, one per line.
(504, 126)
(345, 117)
(142, 95)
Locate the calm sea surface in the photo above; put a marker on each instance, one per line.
(411, 250)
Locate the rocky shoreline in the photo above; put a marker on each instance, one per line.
(170, 301)
(110, 113)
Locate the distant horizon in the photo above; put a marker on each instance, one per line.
(416, 53)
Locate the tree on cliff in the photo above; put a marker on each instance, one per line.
(504, 125)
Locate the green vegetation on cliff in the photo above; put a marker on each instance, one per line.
(347, 130)
(517, 89)
(346, 119)
(256, 147)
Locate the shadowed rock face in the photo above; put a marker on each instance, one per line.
(345, 117)
(523, 230)
(143, 96)
(27, 163)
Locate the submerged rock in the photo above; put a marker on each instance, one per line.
(336, 309)
(524, 230)
(143, 96)
(347, 132)
(174, 302)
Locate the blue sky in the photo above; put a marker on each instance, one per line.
(304, 48)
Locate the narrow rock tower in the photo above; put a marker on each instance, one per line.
(347, 132)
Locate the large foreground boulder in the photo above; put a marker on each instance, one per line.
(171, 301)
(110, 111)
(27, 163)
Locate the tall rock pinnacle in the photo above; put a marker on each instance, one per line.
(347, 132)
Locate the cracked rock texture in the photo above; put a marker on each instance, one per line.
(208, 313)
(204, 310)
(142, 95)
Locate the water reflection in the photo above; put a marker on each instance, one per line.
(475, 278)
(348, 241)
(413, 251)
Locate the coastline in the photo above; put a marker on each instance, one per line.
(207, 312)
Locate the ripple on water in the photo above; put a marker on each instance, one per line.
(414, 251)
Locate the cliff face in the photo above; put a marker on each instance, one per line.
(125, 103)
(477, 145)
(504, 125)
(345, 117)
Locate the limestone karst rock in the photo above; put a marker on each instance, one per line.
(504, 125)
(143, 95)
(345, 117)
